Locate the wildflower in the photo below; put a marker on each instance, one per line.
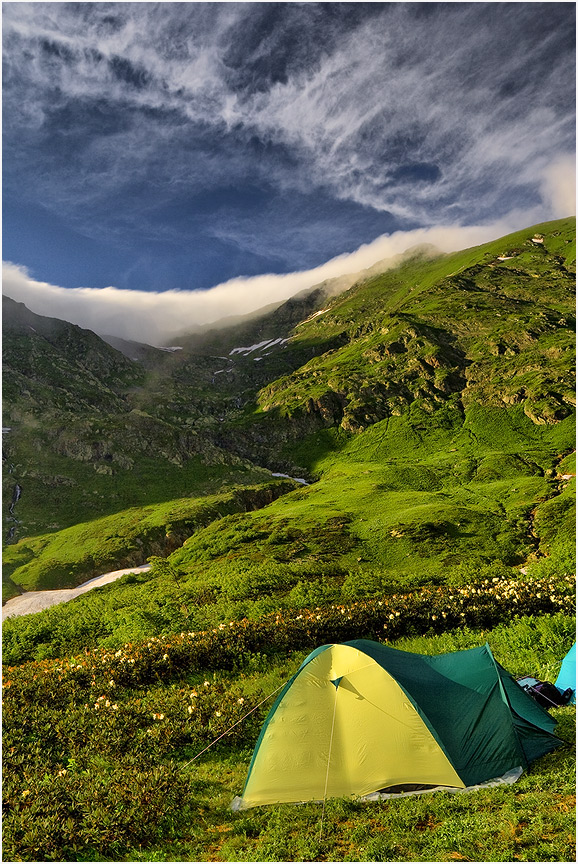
(107, 704)
(217, 713)
(165, 656)
(240, 701)
(111, 683)
(207, 684)
(62, 773)
(190, 709)
(115, 707)
(193, 694)
(25, 792)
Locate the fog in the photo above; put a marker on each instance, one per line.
(157, 318)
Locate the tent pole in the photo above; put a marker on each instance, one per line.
(328, 761)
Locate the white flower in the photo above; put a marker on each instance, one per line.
(240, 701)
(217, 713)
(165, 656)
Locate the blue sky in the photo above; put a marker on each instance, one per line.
(161, 147)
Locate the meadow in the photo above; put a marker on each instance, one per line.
(100, 764)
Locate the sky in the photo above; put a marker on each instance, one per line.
(185, 161)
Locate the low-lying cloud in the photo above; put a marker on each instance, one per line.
(157, 318)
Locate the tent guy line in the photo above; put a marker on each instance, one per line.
(226, 732)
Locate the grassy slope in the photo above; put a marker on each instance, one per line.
(67, 558)
(451, 480)
(465, 313)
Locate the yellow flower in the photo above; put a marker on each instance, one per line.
(217, 713)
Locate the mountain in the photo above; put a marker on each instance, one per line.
(429, 406)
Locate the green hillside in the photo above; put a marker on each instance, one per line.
(426, 419)
(436, 427)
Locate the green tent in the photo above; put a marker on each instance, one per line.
(361, 717)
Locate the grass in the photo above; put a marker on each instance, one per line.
(71, 556)
(72, 796)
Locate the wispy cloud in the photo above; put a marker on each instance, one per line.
(430, 114)
(156, 318)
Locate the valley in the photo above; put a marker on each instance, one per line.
(429, 407)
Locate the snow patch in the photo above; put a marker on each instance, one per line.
(173, 348)
(314, 315)
(248, 349)
(36, 601)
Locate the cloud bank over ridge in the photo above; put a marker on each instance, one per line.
(157, 317)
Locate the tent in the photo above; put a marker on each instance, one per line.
(567, 676)
(360, 717)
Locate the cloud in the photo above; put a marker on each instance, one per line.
(156, 318)
(558, 187)
(351, 107)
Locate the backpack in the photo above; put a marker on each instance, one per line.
(547, 695)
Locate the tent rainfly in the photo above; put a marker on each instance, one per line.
(362, 718)
(567, 676)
